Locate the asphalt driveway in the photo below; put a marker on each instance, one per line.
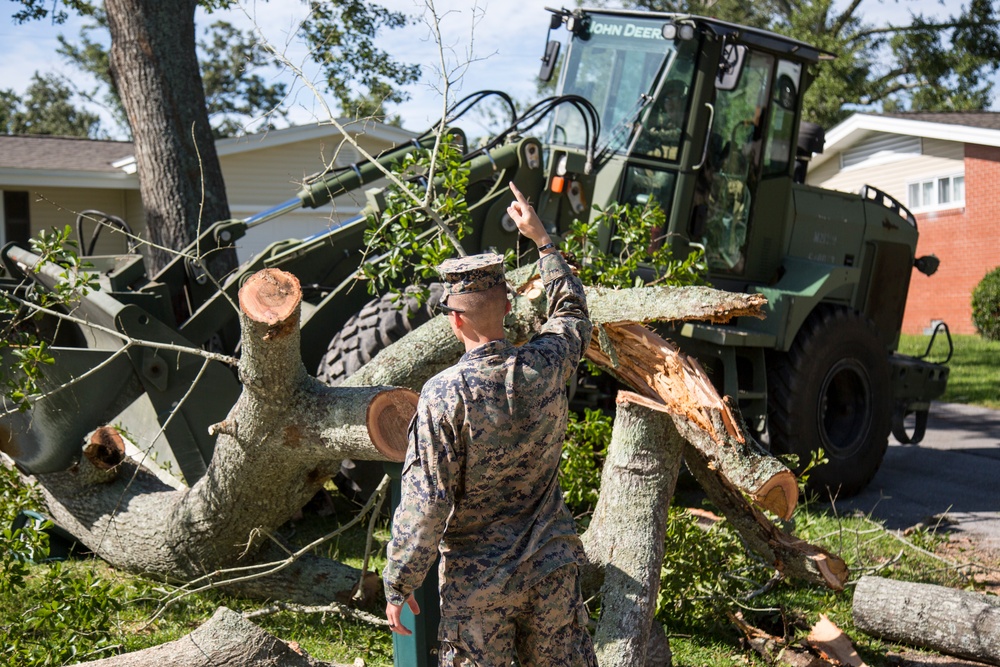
(955, 472)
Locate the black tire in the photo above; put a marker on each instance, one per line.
(831, 391)
(380, 323)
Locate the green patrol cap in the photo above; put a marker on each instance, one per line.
(475, 273)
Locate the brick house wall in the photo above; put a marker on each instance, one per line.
(966, 241)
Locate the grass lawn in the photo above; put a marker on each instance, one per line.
(709, 575)
(84, 610)
(975, 367)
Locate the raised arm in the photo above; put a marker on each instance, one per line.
(567, 305)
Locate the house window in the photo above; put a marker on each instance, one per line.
(943, 192)
(16, 221)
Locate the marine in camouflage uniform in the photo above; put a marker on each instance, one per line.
(480, 486)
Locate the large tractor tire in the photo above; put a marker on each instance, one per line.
(380, 323)
(831, 391)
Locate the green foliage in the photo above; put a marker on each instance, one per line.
(583, 453)
(236, 94)
(58, 616)
(34, 10)
(638, 253)
(45, 108)
(25, 333)
(704, 570)
(342, 34)
(20, 545)
(986, 306)
(403, 240)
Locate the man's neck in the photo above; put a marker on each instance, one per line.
(477, 340)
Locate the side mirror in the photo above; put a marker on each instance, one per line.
(549, 60)
(927, 265)
(730, 66)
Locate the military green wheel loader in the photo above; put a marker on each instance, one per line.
(700, 116)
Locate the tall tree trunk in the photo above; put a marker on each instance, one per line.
(155, 69)
(624, 542)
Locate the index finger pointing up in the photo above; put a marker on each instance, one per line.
(517, 193)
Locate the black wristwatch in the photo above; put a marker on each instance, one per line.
(547, 246)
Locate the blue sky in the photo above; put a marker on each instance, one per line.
(488, 44)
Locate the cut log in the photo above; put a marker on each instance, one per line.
(625, 538)
(959, 623)
(282, 440)
(656, 368)
(789, 555)
(225, 639)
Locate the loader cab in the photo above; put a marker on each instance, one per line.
(698, 115)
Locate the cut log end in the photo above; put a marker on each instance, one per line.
(779, 494)
(271, 296)
(389, 415)
(105, 448)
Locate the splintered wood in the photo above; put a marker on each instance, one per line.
(677, 384)
(659, 370)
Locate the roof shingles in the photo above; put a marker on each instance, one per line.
(61, 153)
(987, 120)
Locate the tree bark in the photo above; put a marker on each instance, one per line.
(154, 65)
(431, 347)
(624, 542)
(959, 623)
(281, 441)
(224, 639)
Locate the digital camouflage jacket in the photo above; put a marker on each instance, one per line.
(480, 480)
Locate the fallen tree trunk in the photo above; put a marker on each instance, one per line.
(624, 542)
(727, 461)
(224, 639)
(789, 555)
(657, 369)
(958, 623)
(724, 460)
(281, 441)
(432, 347)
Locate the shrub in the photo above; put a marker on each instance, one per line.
(986, 305)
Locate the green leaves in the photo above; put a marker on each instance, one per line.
(584, 450)
(986, 306)
(341, 34)
(403, 243)
(26, 333)
(638, 255)
(45, 108)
